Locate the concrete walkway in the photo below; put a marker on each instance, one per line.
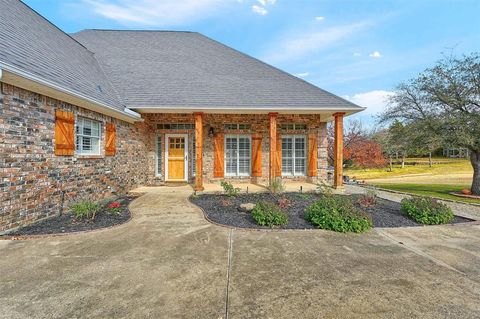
(169, 262)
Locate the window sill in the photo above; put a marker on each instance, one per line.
(89, 157)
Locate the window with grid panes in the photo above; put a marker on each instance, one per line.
(294, 155)
(237, 155)
(87, 135)
(159, 155)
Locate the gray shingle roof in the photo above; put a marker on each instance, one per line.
(151, 69)
(31, 43)
(187, 69)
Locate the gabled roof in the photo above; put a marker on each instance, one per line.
(31, 44)
(168, 69)
(149, 70)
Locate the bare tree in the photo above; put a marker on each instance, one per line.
(445, 101)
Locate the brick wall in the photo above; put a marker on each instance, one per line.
(32, 177)
(259, 124)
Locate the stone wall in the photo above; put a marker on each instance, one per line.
(32, 178)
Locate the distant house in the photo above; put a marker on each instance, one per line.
(102, 111)
(456, 152)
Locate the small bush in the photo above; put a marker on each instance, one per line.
(324, 189)
(426, 210)
(369, 198)
(338, 214)
(225, 202)
(284, 202)
(277, 185)
(85, 209)
(114, 208)
(268, 214)
(229, 189)
(304, 196)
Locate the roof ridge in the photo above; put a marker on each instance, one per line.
(56, 27)
(281, 71)
(137, 30)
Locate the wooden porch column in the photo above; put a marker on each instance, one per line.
(338, 151)
(273, 144)
(198, 151)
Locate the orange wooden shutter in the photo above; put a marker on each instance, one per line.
(278, 159)
(218, 154)
(110, 139)
(312, 155)
(257, 155)
(64, 133)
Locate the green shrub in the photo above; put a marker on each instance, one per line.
(269, 214)
(426, 210)
(324, 189)
(338, 214)
(229, 189)
(85, 209)
(277, 185)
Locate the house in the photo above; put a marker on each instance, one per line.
(97, 112)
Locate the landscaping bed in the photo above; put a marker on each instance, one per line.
(223, 209)
(68, 223)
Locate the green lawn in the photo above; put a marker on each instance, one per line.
(434, 190)
(442, 167)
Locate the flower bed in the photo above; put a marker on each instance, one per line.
(110, 214)
(226, 210)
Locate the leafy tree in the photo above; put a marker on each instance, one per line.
(359, 148)
(444, 101)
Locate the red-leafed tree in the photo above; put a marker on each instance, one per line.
(359, 149)
(365, 153)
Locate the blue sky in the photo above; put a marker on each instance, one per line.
(356, 49)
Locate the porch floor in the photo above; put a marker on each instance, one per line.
(256, 188)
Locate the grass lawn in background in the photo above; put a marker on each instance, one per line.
(434, 190)
(446, 175)
(441, 167)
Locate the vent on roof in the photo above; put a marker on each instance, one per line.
(99, 88)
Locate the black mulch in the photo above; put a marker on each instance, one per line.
(67, 223)
(224, 210)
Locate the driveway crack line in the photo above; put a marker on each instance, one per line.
(420, 252)
(229, 269)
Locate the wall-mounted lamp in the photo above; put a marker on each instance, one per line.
(211, 132)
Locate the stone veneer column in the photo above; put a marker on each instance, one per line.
(198, 151)
(338, 151)
(273, 144)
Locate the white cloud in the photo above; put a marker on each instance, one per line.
(260, 10)
(297, 45)
(375, 101)
(153, 12)
(356, 54)
(319, 18)
(375, 55)
(265, 2)
(302, 75)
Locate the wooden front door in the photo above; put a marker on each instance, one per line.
(176, 157)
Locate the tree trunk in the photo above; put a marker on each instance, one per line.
(403, 160)
(475, 161)
(391, 163)
(430, 163)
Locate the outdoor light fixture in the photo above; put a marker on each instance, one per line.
(211, 132)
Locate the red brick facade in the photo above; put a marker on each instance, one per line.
(32, 178)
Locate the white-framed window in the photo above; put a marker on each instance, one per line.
(194, 156)
(238, 149)
(293, 127)
(236, 126)
(294, 155)
(158, 155)
(87, 133)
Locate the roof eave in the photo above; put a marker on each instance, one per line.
(15, 76)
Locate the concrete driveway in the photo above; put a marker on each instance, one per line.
(169, 262)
